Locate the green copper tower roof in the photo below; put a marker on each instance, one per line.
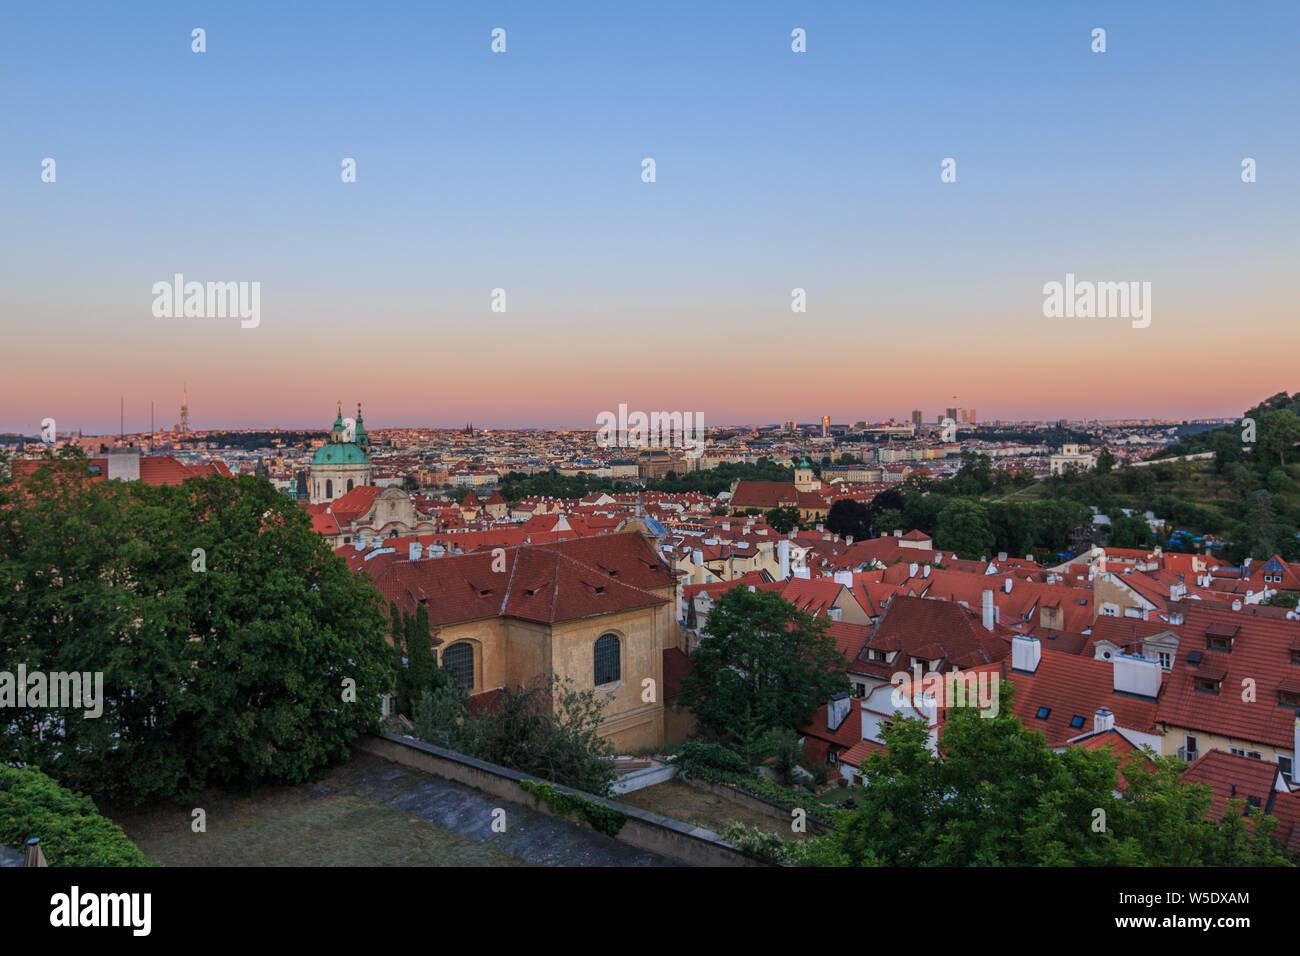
(362, 436)
(339, 453)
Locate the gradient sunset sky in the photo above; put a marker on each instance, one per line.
(522, 171)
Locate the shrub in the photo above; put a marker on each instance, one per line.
(601, 818)
(70, 828)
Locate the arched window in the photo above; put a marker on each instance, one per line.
(349, 484)
(329, 487)
(608, 660)
(459, 660)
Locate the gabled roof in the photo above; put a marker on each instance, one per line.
(1231, 777)
(564, 581)
(913, 624)
(1068, 687)
(356, 504)
(764, 494)
(1261, 653)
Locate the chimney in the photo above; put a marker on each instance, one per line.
(1026, 652)
(1103, 721)
(726, 526)
(124, 464)
(845, 578)
(360, 541)
(898, 534)
(414, 552)
(1136, 675)
(1006, 585)
(1295, 752)
(988, 609)
(1002, 556)
(803, 574)
(783, 558)
(836, 711)
(697, 558)
(848, 540)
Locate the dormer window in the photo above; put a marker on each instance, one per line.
(1219, 637)
(1207, 685)
(1288, 698)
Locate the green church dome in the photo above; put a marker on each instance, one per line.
(339, 454)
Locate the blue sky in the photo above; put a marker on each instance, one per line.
(522, 171)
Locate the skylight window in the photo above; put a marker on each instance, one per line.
(1076, 721)
(1043, 713)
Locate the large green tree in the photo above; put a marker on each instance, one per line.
(783, 519)
(1278, 433)
(1129, 531)
(963, 528)
(999, 796)
(765, 657)
(233, 645)
(849, 518)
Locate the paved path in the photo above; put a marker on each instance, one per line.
(529, 835)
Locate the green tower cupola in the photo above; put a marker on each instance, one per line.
(362, 436)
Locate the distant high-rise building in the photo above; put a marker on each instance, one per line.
(917, 417)
(184, 424)
(826, 426)
(952, 413)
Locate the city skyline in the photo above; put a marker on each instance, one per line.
(134, 421)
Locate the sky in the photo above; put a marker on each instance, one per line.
(522, 171)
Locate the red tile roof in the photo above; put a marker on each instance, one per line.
(1261, 652)
(563, 581)
(1071, 686)
(1231, 777)
(911, 624)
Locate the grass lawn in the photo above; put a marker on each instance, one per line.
(298, 826)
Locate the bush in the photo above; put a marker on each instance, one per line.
(820, 774)
(760, 843)
(720, 765)
(696, 756)
(599, 817)
(70, 828)
(547, 729)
